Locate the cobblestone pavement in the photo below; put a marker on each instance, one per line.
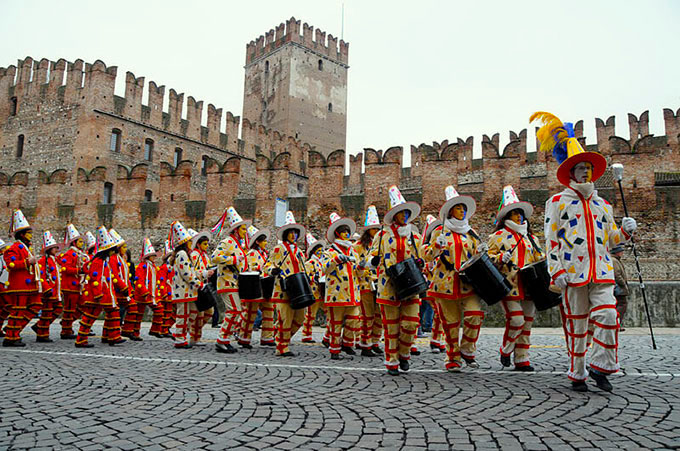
(148, 395)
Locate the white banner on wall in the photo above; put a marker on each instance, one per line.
(280, 210)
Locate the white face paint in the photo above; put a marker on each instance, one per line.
(583, 172)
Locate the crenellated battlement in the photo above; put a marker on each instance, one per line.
(313, 39)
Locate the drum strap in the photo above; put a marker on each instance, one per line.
(533, 243)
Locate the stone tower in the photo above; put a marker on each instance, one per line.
(297, 84)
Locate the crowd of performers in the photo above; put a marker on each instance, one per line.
(369, 280)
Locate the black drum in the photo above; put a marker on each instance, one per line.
(299, 292)
(322, 287)
(485, 278)
(249, 286)
(407, 278)
(536, 281)
(268, 287)
(207, 297)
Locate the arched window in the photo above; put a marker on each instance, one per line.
(108, 193)
(20, 146)
(13, 105)
(148, 149)
(266, 66)
(115, 140)
(330, 107)
(148, 196)
(178, 155)
(320, 64)
(204, 165)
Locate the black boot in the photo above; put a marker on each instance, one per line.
(348, 350)
(505, 360)
(225, 349)
(404, 365)
(13, 343)
(368, 353)
(601, 380)
(579, 386)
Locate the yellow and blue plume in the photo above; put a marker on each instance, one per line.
(553, 134)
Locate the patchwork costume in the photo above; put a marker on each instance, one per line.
(437, 341)
(314, 267)
(50, 274)
(579, 232)
(73, 262)
(200, 260)
(147, 293)
(185, 285)
(256, 257)
(524, 250)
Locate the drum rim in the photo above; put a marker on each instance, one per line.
(250, 273)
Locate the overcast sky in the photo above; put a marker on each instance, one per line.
(420, 71)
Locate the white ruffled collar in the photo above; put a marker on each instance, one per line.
(517, 228)
(586, 189)
(460, 226)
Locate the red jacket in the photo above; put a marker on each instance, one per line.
(165, 274)
(146, 283)
(21, 275)
(71, 268)
(99, 288)
(49, 275)
(121, 277)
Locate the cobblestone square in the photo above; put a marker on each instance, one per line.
(146, 395)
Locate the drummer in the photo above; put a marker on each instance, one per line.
(231, 258)
(511, 247)
(315, 269)
(200, 259)
(437, 342)
(393, 245)
(257, 257)
(342, 286)
(450, 248)
(285, 260)
(370, 320)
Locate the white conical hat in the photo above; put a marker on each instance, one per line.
(167, 249)
(453, 199)
(48, 241)
(104, 240)
(178, 234)
(312, 244)
(397, 204)
(431, 226)
(337, 221)
(117, 239)
(254, 234)
(91, 240)
(19, 222)
(72, 234)
(510, 202)
(148, 249)
(372, 221)
(290, 224)
(196, 236)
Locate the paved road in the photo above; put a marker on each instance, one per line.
(148, 395)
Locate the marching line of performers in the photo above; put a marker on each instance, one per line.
(370, 282)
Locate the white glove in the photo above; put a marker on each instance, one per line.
(561, 281)
(507, 256)
(352, 258)
(441, 241)
(483, 247)
(629, 225)
(343, 258)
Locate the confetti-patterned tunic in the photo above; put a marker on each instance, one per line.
(185, 281)
(290, 259)
(231, 258)
(446, 283)
(342, 284)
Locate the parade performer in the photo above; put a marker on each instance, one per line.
(91, 243)
(394, 244)
(4, 283)
(98, 295)
(579, 231)
(165, 275)
(370, 319)
(231, 258)
(50, 274)
(285, 260)
(185, 285)
(200, 259)
(437, 341)
(147, 293)
(343, 296)
(314, 266)
(257, 257)
(454, 245)
(73, 262)
(25, 287)
(511, 247)
(122, 283)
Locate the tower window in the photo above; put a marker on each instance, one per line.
(148, 149)
(108, 193)
(320, 64)
(148, 195)
(115, 140)
(178, 155)
(204, 165)
(330, 107)
(266, 66)
(13, 104)
(20, 146)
